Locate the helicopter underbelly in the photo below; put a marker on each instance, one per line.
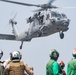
(53, 29)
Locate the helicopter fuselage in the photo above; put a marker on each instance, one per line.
(48, 26)
(56, 23)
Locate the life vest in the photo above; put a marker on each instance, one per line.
(49, 67)
(16, 68)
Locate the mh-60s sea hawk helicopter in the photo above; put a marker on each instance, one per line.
(41, 23)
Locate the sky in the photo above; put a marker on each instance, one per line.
(36, 52)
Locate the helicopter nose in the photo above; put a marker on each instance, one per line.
(66, 22)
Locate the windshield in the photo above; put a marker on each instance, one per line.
(63, 15)
(55, 14)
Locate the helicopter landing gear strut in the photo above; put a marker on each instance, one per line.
(61, 34)
(21, 45)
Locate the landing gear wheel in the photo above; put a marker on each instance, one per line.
(20, 47)
(61, 35)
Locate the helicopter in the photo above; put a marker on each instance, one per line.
(43, 23)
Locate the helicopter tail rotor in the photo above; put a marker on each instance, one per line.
(12, 19)
(12, 16)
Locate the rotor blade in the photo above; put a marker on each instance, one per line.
(51, 1)
(14, 16)
(53, 7)
(20, 3)
(42, 9)
(12, 12)
(68, 7)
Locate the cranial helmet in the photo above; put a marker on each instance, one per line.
(1, 54)
(15, 56)
(20, 55)
(61, 63)
(54, 54)
(74, 52)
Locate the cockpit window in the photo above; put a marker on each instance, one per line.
(58, 15)
(63, 15)
(55, 14)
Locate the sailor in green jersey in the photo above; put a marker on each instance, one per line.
(71, 68)
(52, 67)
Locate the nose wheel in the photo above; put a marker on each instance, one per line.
(61, 34)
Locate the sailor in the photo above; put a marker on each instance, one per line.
(40, 17)
(71, 67)
(17, 67)
(52, 67)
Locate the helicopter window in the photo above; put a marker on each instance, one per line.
(58, 15)
(58, 18)
(55, 14)
(64, 16)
